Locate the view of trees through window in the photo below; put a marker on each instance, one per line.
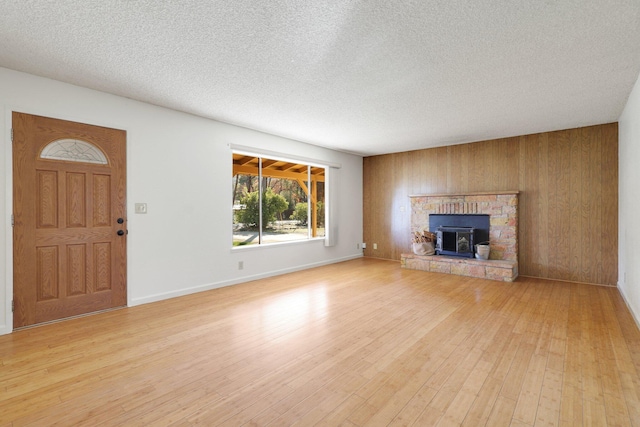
(276, 201)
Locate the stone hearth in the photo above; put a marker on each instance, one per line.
(502, 208)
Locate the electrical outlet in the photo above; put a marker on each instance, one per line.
(375, 246)
(240, 265)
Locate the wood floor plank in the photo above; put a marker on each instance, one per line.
(340, 413)
(458, 409)
(414, 407)
(502, 412)
(527, 403)
(571, 405)
(359, 343)
(631, 391)
(548, 413)
(517, 372)
(483, 405)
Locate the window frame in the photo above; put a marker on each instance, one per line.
(271, 156)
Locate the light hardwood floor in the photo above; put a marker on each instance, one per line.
(357, 343)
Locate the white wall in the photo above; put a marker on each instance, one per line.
(180, 165)
(629, 202)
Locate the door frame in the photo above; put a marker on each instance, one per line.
(9, 110)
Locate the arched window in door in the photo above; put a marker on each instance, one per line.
(74, 150)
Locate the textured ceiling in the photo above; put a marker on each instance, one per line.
(367, 77)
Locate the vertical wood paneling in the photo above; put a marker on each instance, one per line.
(478, 170)
(510, 162)
(76, 196)
(47, 272)
(575, 191)
(529, 199)
(47, 196)
(562, 254)
(585, 205)
(420, 167)
(592, 246)
(101, 200)
(568, 201)
(371, 172)
(458, 168)
(76, 269)
(400, 218)
(102, 266)
(441, 184)
(609, 227)
(543, 202)
(553, 229)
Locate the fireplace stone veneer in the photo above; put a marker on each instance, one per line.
(502, 208)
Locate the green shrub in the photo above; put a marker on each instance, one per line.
(272, 205)
(300, 213)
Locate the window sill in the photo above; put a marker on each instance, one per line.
(276, 244)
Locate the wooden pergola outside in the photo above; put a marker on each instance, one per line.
(250, 165)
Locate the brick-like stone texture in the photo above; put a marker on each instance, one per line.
(467, 269)
(504, 271)
(439, 267)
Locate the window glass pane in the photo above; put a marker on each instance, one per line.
(73, 150)
(284, 200)
(320, 230)
(245, 210)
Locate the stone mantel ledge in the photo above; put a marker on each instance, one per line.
(463, 194)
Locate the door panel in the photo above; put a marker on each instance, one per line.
(77, 269)
(47, 272)
(47, 199)
(68, 257)
(76, 197)
(101, 200)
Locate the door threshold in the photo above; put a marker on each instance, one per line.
(106, 310)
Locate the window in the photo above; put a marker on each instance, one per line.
(73, 150)
(276, 200)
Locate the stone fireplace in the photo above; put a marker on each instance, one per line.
(502, 211)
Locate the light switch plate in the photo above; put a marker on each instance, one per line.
(141, 208)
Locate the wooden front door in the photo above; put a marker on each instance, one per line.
(69, 235)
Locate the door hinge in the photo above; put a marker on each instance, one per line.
(11, 134)
(13, 221)
(13, 305)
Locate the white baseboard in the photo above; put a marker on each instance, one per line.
(210, 286)
(636, 316)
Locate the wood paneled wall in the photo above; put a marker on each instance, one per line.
(568, 183)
